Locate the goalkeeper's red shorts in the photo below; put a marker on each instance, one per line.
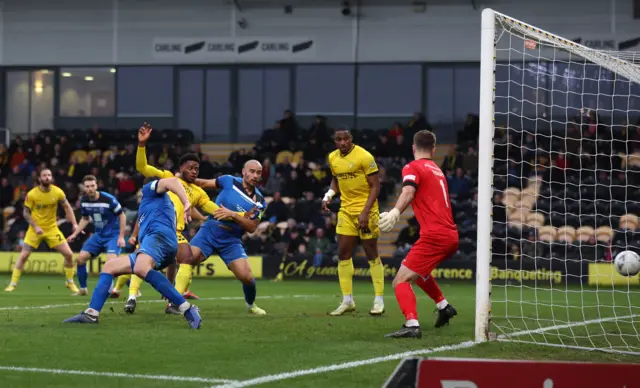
(428, 252)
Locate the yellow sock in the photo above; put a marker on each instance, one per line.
(190, 281)
(122, 280)
(183, 278)
(68, 274)
(134, 286)
(345, 275)
(377, 276)
(15, 276)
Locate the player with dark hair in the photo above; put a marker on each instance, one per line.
(222, 233)
(355, 178)
(189, 167)
(109, 222)
(40, 211)
(424, 186)
(158, 247)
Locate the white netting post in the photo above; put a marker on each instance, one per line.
(485, 166)
(559, 190)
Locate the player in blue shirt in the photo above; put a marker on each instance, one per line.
(222, 232)
(109, 223)
(158, 248)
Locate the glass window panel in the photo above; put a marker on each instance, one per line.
(440, 95)
(218, 104)
(325, 89)
(277, 87)
(87, 92)
(389, 90)
(145, 91)
(191, 100)
(41, 99)
(467, 91)
(250, 102)
(17, 105)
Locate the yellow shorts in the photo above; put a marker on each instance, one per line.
(53, 237)
(348, 225)
(181, 239)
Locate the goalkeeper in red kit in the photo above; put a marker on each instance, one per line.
(424, 186)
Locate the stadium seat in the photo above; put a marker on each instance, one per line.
(535, 220)
(58, 133)
(184, 136)
(284, 157)
(604, 234)
(566, 234)
(585, 233)
(547, 233)
(628, 222)
(80, 155)
(268, 200)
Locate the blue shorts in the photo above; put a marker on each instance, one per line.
(160, 247)
(213, 239)
(97, 243)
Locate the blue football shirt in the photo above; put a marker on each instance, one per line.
(234, 197)
(156, 212)
(104, 213)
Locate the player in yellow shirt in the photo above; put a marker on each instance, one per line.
(189, 167)
(40, 211)
(355, 178)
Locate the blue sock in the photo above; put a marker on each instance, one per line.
(101, 292)
(164, 287)
(82, 275)
(249, 292)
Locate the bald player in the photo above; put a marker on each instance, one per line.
(222, 232)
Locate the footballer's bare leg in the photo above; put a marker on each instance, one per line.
(242, 270)
(346, 245)
(19, 267)
(65, 250)
(376, 269)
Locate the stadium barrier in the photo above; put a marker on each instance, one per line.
(550, 271)
(605, 274)
(47, 262)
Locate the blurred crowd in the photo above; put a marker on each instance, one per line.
(295, 176)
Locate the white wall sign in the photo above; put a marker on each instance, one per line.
(246, 49)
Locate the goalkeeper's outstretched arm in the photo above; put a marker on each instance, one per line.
(388, 220)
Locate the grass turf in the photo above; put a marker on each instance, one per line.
(297, 333)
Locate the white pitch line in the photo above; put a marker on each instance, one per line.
(114, 374)
(399, 356)
(54, 306)
(345, 365)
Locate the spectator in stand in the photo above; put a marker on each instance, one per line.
(77, 169)
(319, 130)
(274, 184)
(470, 160)
(126, 186)
(314, 150)
(277, 211)
(206, 168)
(396, 130)
(408, 235)
(319, 246)
(26, 167)
(38, 155)
(18, 156)
(4, 158)
(305, 210)
(6, 193)
(293, 185)
(289, 126)
(458, 184)
(20, 241)
(294, 238)
(47, 147)
(561, 161)
(96, 135)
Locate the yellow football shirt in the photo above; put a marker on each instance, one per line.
(197, 196)
(44, 205)
(351, 171)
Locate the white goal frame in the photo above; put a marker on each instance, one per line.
(616, 62)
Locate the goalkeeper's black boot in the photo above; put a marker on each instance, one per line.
(445, 315)
(130, 306)
(406, 332)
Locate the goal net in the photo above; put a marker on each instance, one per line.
(559, 174)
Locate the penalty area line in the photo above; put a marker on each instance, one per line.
(114, 374)
(55, 306)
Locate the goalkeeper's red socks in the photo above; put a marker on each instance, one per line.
(431, 288)
(407, 301)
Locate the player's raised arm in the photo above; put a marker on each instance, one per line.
(207, 183)
(174, 185)
(141, 155)
(248, 221)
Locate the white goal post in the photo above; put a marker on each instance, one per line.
(558, 191)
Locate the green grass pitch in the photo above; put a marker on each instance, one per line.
(296, 335)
